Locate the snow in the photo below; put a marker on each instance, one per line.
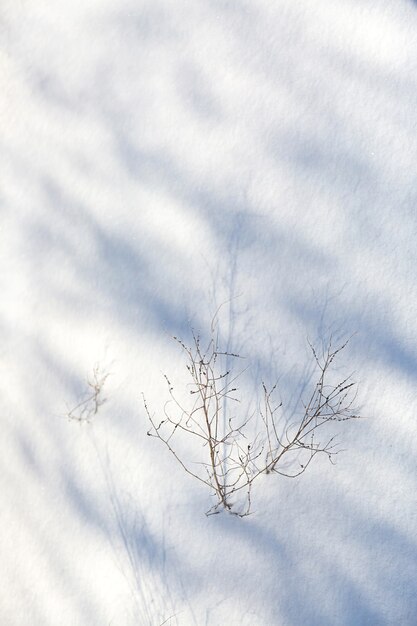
(157, 159)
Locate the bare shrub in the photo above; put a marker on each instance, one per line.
(229, 462)
(85, 410)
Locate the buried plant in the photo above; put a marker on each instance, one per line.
(228, 462)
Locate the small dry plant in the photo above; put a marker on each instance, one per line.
(228, 461)
(85, 410)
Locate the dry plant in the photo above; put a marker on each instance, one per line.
(229, 462)
(85, 410)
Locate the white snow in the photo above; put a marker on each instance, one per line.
(157, 159)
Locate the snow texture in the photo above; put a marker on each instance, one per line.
(157, 159)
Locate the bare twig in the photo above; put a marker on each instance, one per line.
(85, 410)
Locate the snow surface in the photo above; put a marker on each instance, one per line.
(158, 158)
